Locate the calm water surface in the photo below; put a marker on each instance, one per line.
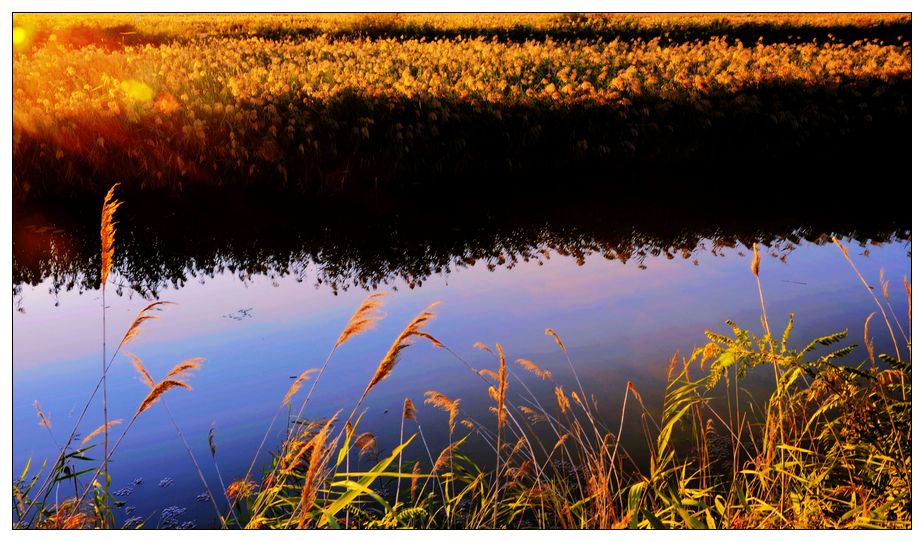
(262, 311)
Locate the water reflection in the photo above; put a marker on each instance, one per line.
(162, 244)
(626, 287)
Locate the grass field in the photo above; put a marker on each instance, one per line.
(324, 103)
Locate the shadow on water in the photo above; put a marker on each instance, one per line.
(374, 239)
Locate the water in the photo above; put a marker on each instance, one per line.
(263, 295)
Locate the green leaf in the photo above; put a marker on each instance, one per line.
(653, 519)
(355, 490)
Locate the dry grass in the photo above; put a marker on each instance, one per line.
(158, 390)
(319, 453)
(364, 318)
(404, 339)
(99, 430)
(107, 234)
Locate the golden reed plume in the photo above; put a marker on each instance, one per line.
(868, 341)
(501, 387)
(139, 367)
(161, 388)
(312, 476)
(410, 411)
(143, 316)
(551, 332)
(442, 402)
(172, 380)
(534, 417)
(755, 263)
(535, 369)
(404, 340)
(107, 233)
(366, 444)
(364, 318)
(240, 489)
(562, 400)
(444, 456)
(293, 389)
(96, 432)
(185, 366)
(483, 347)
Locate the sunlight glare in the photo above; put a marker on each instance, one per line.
(20, 35)
(137, 90)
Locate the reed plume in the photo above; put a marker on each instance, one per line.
(96, 432)
(43, 420)
(410, 411)
(534, 369)
(405, 339)
(501, 418)
(161, 388)
(563, 404)
(442, 402)
(316, 461)
(240, 489)
(551, 332)
(139, 367)
(364, 318)
(908, 293)
(143, 316)
(755, 269)
(501, 389)
(755, 262)
(532, 415)
(293, 389)
(294, 454)
(868, 341)
(185, 366)
(433, 340)
(107, 233)
(366, 444)
(445, 457)
(481, 346)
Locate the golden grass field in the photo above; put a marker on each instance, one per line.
(318, 102)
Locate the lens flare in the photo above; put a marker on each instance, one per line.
(137, 90)
(20, 35)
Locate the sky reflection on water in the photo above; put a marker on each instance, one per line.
(619, 322)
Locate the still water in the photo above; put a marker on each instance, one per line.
(262, 301)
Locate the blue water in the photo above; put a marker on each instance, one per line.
(619, 321)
